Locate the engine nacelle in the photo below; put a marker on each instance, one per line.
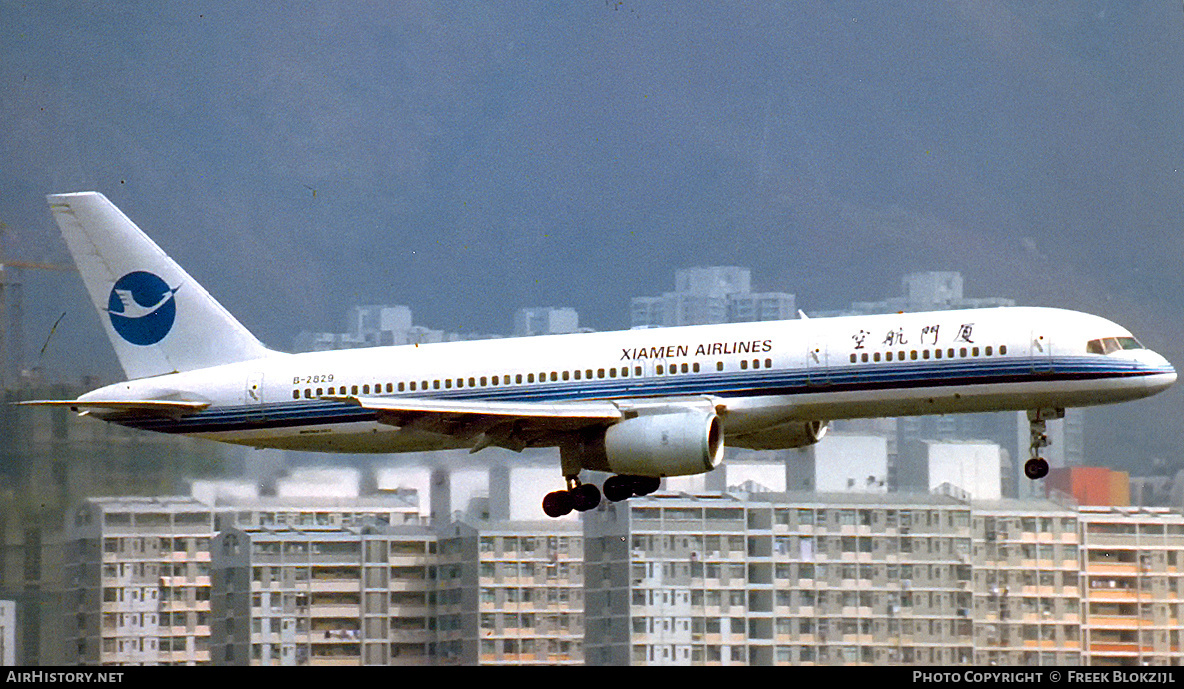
(782, 437)
(677, 443)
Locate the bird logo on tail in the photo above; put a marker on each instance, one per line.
(142, 308)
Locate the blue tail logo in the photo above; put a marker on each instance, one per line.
(142, 308)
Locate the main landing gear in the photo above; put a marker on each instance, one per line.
(1037, 467)
(582, 497)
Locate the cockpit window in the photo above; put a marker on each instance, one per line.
(1107, 345)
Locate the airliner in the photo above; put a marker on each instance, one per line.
(637, 404)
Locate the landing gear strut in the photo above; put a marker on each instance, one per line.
(1037, 467)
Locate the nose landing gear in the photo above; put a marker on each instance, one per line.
(1037, 467)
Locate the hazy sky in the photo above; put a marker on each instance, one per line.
(466, 159)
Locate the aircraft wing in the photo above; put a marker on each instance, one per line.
(165, 408)
(513, 425)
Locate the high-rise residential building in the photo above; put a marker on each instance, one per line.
(545, 320)
(510, 593)
(137, 570)
(1027, 584)
(715, 294)
(923, 291)
(359, 595)
(778, 579)
(1132, 586)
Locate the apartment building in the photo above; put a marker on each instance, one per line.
(323, 596)
(1132, 564)
(1027, 585)
(779, 579)
(137, 570)
(511, 593)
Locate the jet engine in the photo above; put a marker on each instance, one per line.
(676, 443)
(782, 437)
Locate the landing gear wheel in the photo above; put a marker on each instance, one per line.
(618, 488)
(585, 496)
(1036, 468)
(644, 485)
(558, 503)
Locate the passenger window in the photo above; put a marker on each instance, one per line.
(320, 392)
(913, 355)
(950, 352)
(365, 389)
(424, 385)
(435, 384)
(962, 352)
(566, 375)
(413, 386)
(888, 356)
(756, 363)
(530, 377)
(588, 374)
(863, 357)
(577, 374)
(518, 378)
(483, 383)
(900, 355)
(853, 358)
(353, 390)
(401, 386)
(331, 390)
(295, 394)
(637, 370)
(624, 371)
(307, 393)
(659, 369)
(719, 365)
(448, 382)
(685, 368)
(974, 351)
(744, 364)
(472, 382)
(987, 351)
(1002, 349)
(695, 368)
(876, 356)
(554, 376)
(390, 387)
(612, 373)
(937, 354)
(924, 353)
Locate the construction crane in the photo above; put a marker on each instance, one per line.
(12, 345)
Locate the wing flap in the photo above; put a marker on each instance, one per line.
(513, 425)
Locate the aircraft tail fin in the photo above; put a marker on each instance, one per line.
(158, 318)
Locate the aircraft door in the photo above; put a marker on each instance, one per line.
(1041, 352)
(817, 366)
(253, 393)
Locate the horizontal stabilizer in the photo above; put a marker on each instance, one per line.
(166, 408)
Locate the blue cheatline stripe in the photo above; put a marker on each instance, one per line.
(752, 383)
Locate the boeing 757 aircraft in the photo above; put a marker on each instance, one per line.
(639, 404)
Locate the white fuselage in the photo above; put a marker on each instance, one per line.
(759, 375)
